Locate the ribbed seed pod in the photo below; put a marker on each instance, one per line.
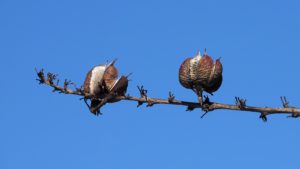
(184, 74)
(201, 74)
(204, 70)
(215, 80)
(194, 63)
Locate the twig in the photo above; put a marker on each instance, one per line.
(171, 97)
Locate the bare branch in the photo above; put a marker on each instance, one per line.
(207, 106)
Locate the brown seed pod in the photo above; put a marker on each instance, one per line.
(110, 76)
(215, 79)
(101, 81)
(93, 83)
(204, 69)
(201, 74)
(184, 74)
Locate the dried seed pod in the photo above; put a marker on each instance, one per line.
(216, 78)
(184, 74)
(110, 77)
(204, 69)
(201, 74)
(101, 81)
(120, 87)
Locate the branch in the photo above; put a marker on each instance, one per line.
(208, 106)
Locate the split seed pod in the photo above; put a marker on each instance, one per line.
(199, 73)
(101, 81)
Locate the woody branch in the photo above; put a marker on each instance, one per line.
(240, 104)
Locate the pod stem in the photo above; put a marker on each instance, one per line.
(199, 94)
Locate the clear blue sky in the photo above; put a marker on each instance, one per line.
(257, 40)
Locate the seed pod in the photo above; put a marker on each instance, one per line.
(110, 77)
(102, 82)
(120, 86)
(215, 80)
(184, 74)
(204, 70)
(99, 79)
(201, 74)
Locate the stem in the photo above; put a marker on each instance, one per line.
(206, 106)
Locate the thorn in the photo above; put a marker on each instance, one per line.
(40, 75)
(143, 92)
(263, 116)
(206, 100)
(190, 108)
(284, 101)
(204, 114)
(140, 103)
(51, 77)
(241, 103)
(85, 101)
(67, 83)
(171, 97)
(98, 113)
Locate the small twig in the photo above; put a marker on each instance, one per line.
(204, 114)
(171, 97)
(41, 76)
(284, 102)
(143, 94)
(67, 83)
(51, 77)
(50, 82)
(263, 116)
(85, 101)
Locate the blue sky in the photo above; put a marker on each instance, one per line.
(258, 42)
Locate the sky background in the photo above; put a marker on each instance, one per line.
(258, 42)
